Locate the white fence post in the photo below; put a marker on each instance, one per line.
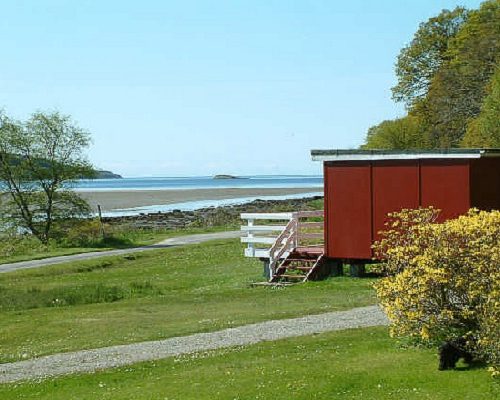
(251, 246)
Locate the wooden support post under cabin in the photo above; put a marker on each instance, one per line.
(357, 270)
(335, 267)
(267, 273)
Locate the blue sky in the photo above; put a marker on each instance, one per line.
(180, 88)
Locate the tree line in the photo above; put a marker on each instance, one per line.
(448, 77)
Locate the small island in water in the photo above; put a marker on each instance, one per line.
(107, 175)
(225, 176)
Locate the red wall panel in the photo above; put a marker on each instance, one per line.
(444, 184)
(348, 210)
(395, 185)
(358, 196)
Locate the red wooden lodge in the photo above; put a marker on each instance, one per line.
(362, 186)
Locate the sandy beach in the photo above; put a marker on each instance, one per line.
(119, 199)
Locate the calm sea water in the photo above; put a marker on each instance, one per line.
(202, 182)
(195, 205)
(315, 183)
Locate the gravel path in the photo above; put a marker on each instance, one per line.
(109, 357)
(175, 241)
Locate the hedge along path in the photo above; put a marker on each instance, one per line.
(87, 361)
(175, 241)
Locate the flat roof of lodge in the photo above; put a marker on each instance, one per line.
(372, 155)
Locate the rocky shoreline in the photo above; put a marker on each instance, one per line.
(211, 216)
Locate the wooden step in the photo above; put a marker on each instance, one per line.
(291, 276)
(300, 268)
(298, 261)
(310, 249)
(283, 270)
(302, 258)
(308, 254)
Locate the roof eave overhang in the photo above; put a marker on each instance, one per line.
(390, 157)
(325, 155)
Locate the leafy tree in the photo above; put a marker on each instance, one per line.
(444, 76)
(39, 159)
(458, 88)
(403, 133)
(419, 61)
(484, 131)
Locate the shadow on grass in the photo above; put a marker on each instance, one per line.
(371, 275)
(474, 365)
(115, 242)
(112, 242)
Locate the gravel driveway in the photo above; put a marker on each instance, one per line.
(115, 356)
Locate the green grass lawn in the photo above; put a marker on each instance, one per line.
(351, 364)
(33, 250)
(152, 295)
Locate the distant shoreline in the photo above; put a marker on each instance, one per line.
(122, 199)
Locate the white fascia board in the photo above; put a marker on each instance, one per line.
(376, 157)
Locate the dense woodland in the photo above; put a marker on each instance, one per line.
(448, 77)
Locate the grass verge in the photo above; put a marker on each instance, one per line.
(32, 249)
(152, 295)
(351, 364)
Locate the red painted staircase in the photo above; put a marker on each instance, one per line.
(301, 265)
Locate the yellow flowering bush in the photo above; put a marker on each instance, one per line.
(442, 280)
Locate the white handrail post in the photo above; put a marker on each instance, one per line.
(251, 246)
(296, 232)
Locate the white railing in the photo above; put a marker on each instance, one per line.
(289, 236)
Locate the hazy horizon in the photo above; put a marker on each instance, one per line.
(207, 176)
